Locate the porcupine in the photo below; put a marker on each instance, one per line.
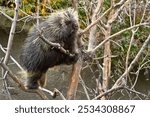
(37, 56)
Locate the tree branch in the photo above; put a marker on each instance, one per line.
(3, 50)
(74, 79)
(134, 61)
(92, 37)
(55, 45)
(116, 34)
(117, 89)
(12, 31)
(7, 16)
(20, 84)
(94, 23)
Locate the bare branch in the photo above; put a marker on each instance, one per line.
(136, 92)
(54, 93)
(106, 12)
(46, 90)
(134, 61)
(38, 13)
(74, 79)
(7, 16)
(129, 48)
(20, 84)
(3, 50)
(5, 85)
(84, 88)
(61, 95)
(94, 23)
(92, 36)
(10, 40)
(117, 89)
(137, 73)
(55, 45)
(12, 31)
(134, 30)
(116, 34)
(107, 92)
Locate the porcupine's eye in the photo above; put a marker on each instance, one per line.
(68, 22)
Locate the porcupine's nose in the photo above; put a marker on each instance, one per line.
(75, 26)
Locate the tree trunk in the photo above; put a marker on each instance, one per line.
(76, 68)
(106, 62)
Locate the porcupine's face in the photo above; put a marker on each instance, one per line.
(63, 25)
(70, 22)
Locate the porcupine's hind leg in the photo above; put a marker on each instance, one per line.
(36, 79)
(43, 80)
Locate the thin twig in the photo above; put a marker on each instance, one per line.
(84, 88)
(134, 60)
(107, 92)
(54, 93)
(46, 90)
(136, 92)
(5, 86)
(7, 16)
(55, 45)
(95, 22)
(137, 73)
(116, 34)
(38, 13)
(3, 50)
(116, 89)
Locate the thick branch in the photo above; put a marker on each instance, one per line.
(74, 79)
(12, 31)
(92, 36)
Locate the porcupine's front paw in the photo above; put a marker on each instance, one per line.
(72, 59)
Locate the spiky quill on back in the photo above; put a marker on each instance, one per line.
(37, 56)
(61, 27)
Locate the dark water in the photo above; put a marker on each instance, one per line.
(58, 77)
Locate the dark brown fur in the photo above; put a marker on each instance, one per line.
(37, 56)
